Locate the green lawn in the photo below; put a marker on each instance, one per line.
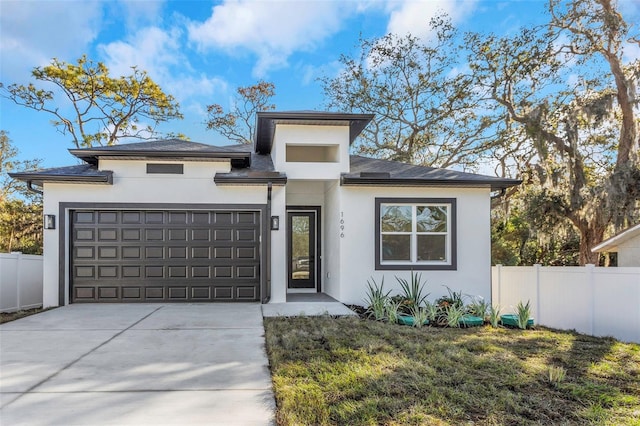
(349, 371)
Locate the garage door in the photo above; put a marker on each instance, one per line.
(164, 256)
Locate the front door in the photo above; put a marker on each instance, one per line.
(304, 247)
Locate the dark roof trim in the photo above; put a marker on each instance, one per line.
(266, 121)
(495, 184)
(105, 177)
(250, 178)
(238, 159)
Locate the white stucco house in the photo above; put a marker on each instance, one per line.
(172, 220)
(626, 244)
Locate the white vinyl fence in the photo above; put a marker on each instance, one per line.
(20, 281)
(590, 300)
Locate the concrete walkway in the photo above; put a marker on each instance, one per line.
(142, 364)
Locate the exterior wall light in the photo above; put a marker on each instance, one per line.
(275, 223)
(49, 221)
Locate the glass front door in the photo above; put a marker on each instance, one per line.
(303, 248)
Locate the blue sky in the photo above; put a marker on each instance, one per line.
(200, 51)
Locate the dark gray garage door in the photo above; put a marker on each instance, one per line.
(165, 256)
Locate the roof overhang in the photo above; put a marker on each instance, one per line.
(612, 243)
(105, 177)
(494, 185)
(238, 159)
(266, 124)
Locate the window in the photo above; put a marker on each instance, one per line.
(415, 233)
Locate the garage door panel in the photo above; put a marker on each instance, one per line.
(138, 256)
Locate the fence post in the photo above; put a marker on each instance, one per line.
(498, 285)
(536, 269)
(18, 278)
(591, 279)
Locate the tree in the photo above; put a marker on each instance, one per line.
(9, 187)
(421, 103)
(103, 109)
(582, 130)
(20, 209)
(238, 124)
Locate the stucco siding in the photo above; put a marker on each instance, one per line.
(310, 135)
(332, 214)
(473, 273)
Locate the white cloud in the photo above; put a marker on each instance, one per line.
(33, 32)
(138, 13)
(272, 30)
(413, 16)
(159, 53)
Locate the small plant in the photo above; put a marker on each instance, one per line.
(392, 310)
(454, 314)
(523, 312)
(478, 308)
(413, 292)
(453, 299)
(419, 316)
(494, 315)
(556, 375)
(432, 311)
(376, 299)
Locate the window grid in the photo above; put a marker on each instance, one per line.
(414, 233)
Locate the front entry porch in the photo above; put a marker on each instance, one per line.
(306, 304)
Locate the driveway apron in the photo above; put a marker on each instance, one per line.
(136, 364)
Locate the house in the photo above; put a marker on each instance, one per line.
(172, 220)
(626, 244)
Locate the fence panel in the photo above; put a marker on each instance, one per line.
(596, 301)
(20, 281)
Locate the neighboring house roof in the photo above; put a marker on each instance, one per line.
(376, 172)
(84, 173)
(266, 124)
(164, 149)
(612, 243)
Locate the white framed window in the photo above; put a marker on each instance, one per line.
(415, 233)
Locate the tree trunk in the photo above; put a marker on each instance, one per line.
(590, 236)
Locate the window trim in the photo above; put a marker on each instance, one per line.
(452, 265)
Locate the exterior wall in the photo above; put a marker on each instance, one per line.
(279, 247)
(310, 135)
(131, 184)
(331, 270)
(629, 252)
(357, 248)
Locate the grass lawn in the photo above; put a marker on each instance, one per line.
(349, 371)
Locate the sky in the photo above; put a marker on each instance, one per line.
(200, 51)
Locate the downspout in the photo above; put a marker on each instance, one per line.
(32, 189)
(267, 296)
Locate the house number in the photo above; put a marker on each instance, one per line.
(341, 224)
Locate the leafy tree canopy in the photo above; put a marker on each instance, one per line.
(238, 124)
(103, 109)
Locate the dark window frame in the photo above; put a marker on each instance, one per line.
(451, 266)
(165, 168)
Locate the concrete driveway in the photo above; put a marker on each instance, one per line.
(143, 364)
